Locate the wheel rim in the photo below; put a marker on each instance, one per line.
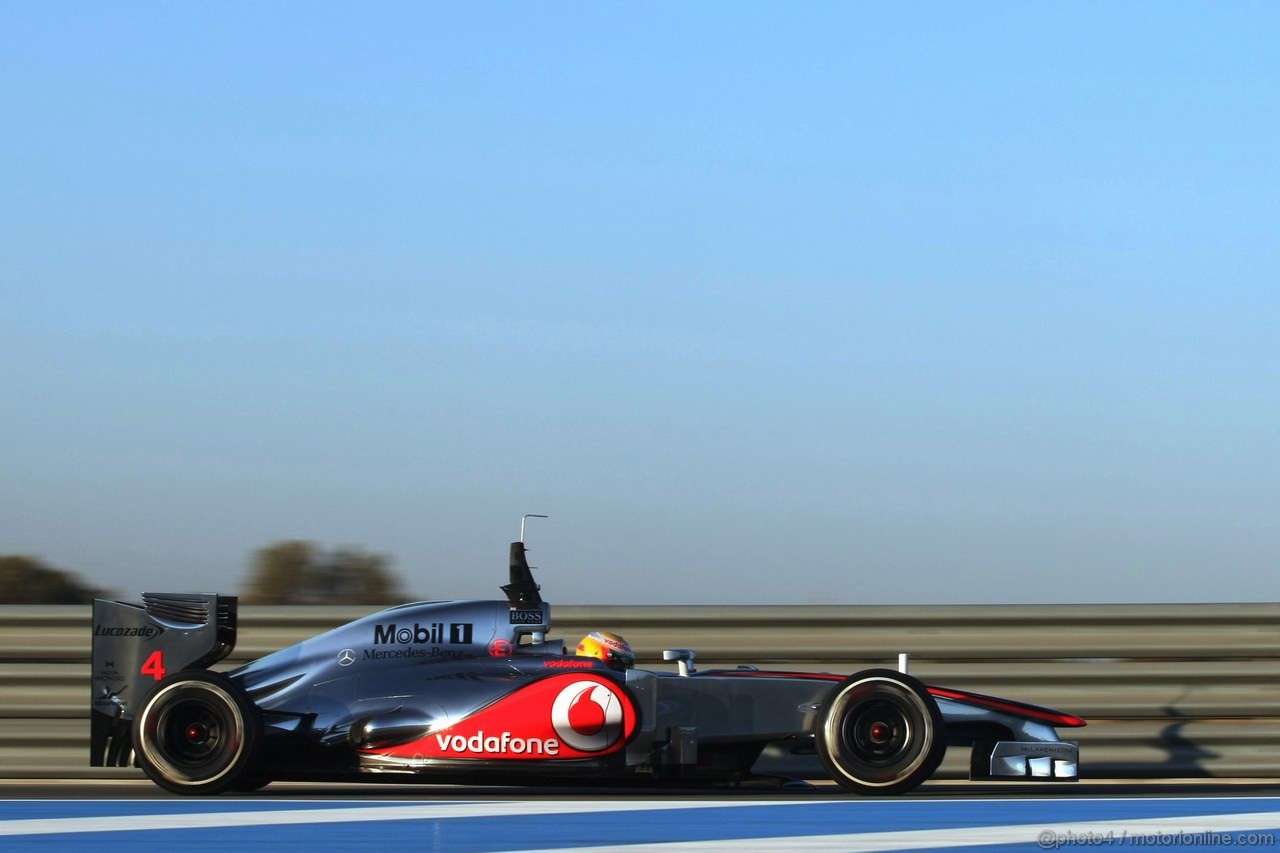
(876, 732)
(194, 733)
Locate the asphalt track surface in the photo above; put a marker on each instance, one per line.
(129, 815)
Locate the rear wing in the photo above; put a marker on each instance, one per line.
(134, 646)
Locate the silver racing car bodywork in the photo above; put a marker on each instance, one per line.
(473, 691)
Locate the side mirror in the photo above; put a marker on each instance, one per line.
(684, 659)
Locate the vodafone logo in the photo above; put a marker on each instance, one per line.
(503, 744)
(587, 716)
(560, 717)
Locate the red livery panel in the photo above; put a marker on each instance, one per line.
(574, 715)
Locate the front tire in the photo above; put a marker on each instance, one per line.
(197, 734)
(880, 732)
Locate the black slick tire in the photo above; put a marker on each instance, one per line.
(197, 733)
(880, 733)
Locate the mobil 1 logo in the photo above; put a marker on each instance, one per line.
(435, 633)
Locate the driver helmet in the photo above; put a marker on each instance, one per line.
(608, 647)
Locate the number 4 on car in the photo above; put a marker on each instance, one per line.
(154, 665)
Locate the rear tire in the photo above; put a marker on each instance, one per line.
(197, 734)
(880, 732)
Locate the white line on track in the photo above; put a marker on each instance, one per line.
(874, 842)
(433, 811)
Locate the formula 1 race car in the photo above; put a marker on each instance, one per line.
(473, 691)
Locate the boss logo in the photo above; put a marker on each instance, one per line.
(526, 617)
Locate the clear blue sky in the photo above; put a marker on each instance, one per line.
(894, 302)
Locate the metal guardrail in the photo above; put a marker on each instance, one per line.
(1179, 691)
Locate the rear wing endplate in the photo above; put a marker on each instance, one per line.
(135, 646)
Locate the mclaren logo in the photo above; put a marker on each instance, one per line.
(346, 657)
(1043, 748)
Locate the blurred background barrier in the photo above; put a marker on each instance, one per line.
(1178, 691)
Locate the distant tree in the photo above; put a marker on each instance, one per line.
(26, 580)
(296, 572)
